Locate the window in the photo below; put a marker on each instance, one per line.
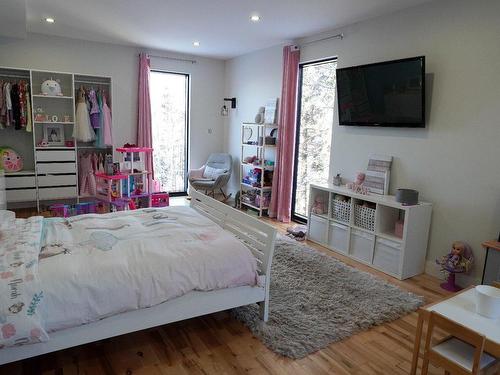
(170, 123)
(316, 102)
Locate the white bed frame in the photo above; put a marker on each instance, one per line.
(258, 236)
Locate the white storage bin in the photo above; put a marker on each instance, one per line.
(57, 180)
(46, 193)
(51, 168)
(387, 255)
(341, 210)
(55, 155)
(21, 195)
(361, 246)
(318, 229)
(338, 237)
(364, 217)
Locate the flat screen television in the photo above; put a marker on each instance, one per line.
(390, 94)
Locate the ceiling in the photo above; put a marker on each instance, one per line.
(222, 26)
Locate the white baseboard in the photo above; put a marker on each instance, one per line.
(431, 268)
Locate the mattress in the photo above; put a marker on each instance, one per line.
(95, 266)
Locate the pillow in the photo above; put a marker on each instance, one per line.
(213, 173)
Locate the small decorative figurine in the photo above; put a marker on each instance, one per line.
(259, 118)
(337, 180)
(458, 260)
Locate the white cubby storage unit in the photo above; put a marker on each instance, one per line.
(363, 227)
(50, 173)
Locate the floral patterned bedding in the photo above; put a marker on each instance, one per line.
(20, 295)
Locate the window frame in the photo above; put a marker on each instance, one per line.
(188, 128)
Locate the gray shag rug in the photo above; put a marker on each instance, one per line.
(317, 300)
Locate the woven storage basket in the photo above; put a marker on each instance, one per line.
(364, 217)
(341, 210)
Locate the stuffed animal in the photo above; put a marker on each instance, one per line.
(10, 161)
(51, 87)
(458, 260)
(319, 206)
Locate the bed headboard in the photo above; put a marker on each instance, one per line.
(257, 235)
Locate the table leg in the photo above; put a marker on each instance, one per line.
(416, 344)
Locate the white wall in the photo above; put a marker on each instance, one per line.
(121, 63)
(454, 161)
(252, 79)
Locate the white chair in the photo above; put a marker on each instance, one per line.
(461, 353)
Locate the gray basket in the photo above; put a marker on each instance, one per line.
(364, 217)
(341, 210)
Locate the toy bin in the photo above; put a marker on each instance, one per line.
(161, 199)
(59, 210)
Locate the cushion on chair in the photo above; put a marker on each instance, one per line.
(212, 173)
(461, 353)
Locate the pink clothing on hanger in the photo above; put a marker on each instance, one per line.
(107, 133)
(87, 178)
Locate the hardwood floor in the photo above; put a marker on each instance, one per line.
(217, 344)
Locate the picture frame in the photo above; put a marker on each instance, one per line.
(53, 134)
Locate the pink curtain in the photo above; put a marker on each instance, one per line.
(144, 131)
(281, 198)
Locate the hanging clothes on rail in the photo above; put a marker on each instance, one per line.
(82, 130)
(107, 135)
(16, 106)
(7, 104)
(86, 174)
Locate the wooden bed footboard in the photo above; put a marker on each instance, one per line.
(257, 235)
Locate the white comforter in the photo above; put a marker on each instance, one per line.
(100, 265)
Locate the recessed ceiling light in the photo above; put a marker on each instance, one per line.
(50, 20)
(255, 18)
(196, 43)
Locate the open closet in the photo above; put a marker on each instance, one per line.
(49, 141)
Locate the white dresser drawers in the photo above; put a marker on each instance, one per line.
(55, 155)
(53, 168)
(16, 182)
(48, 193)
(56, 180)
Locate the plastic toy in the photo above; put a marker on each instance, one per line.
(458, 260)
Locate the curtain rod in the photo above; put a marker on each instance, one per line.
(336, 36)
(174, 58)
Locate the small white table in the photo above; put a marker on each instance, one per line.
(460, 308)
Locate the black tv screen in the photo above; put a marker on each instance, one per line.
(390, 93)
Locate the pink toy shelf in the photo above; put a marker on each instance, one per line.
(138, 181)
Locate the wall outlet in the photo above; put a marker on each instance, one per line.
(210, 130)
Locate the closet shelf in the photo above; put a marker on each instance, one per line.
(51, 97)
(54, 148)
(20, 173)
(54, 122)
(254, 206)
(265, 188)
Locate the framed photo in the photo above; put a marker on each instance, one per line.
(53, 134)
(271, 109)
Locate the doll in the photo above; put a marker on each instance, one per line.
(319, 205)
(357, 186)
(458, 260)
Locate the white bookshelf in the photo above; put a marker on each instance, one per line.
(375, 244)
(256, 145)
